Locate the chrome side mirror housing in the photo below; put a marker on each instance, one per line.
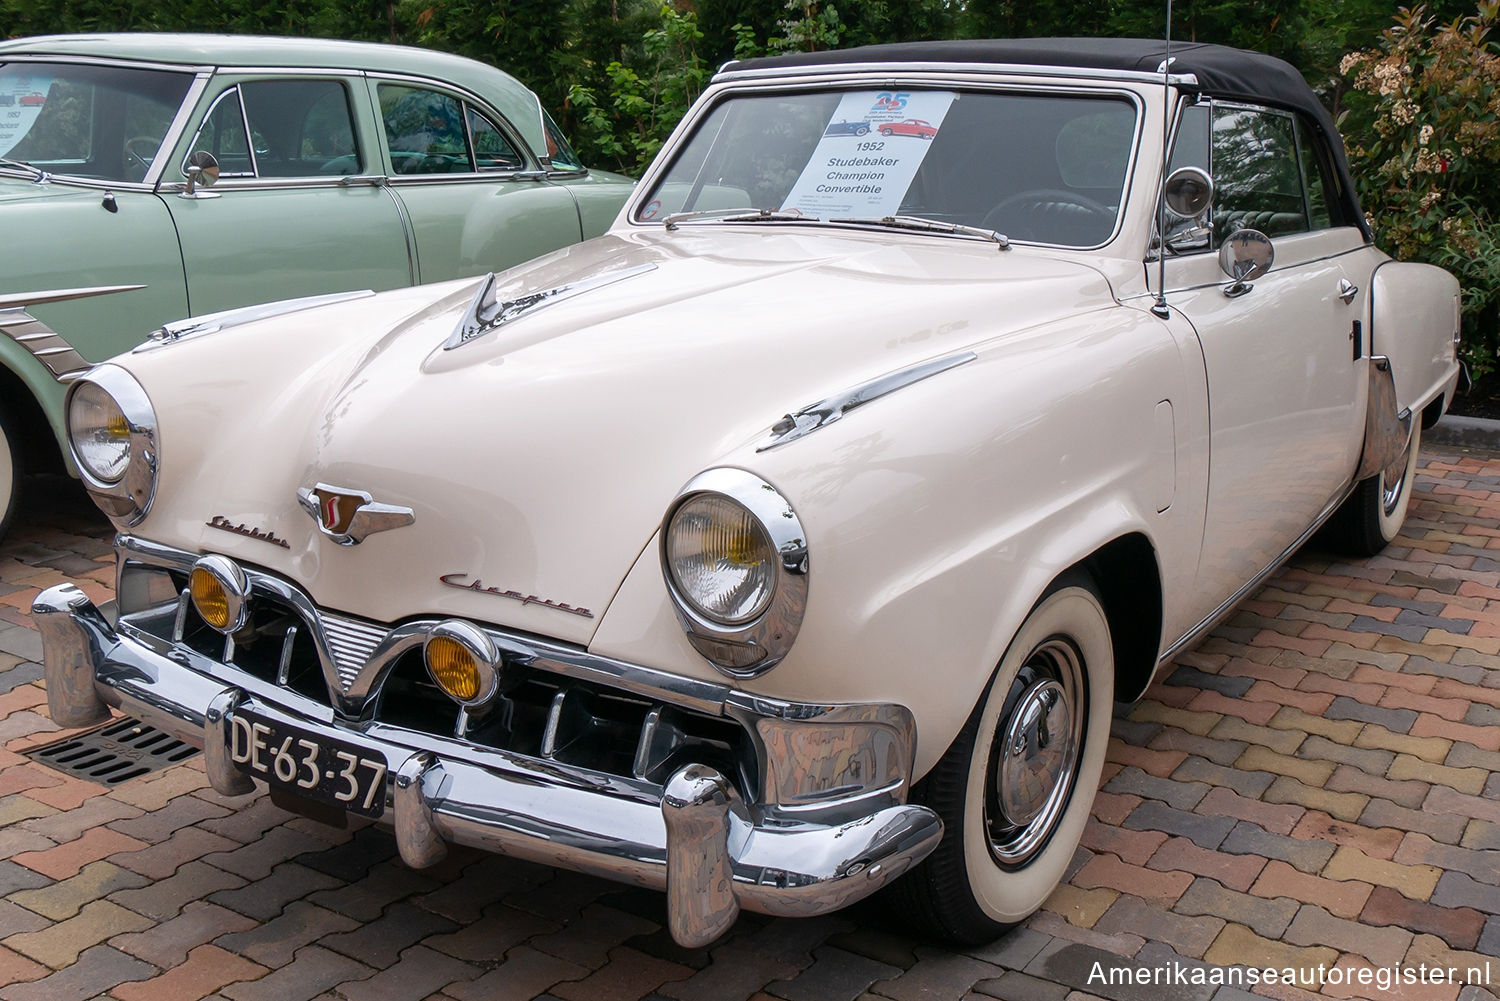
(1189, 192)
(1246, 255)
(202, 169)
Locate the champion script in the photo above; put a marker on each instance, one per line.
(223, 524)
(454, 580)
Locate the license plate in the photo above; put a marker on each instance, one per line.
(309, 764)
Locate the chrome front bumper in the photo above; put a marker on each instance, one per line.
(696, 839)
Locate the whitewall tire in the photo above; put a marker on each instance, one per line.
(1372, 516)
(1016, 788)
(10, 471)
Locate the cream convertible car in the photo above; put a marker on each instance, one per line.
(793, 538)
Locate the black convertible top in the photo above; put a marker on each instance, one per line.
(1221, 71)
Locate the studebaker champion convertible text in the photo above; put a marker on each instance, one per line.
(340, 166)
(793, 539)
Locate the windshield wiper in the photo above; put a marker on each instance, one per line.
(739, 215)
(38, 173)
(920, 225)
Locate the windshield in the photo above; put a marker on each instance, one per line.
(1038, 168)
(103, 122)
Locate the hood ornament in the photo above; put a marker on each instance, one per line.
(485, 314)
(348, 517)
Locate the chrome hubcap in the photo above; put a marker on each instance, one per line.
(1036, 754)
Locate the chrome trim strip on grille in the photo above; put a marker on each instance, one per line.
(352, 644)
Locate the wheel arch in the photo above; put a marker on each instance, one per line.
(19, 396)
(1128, 578)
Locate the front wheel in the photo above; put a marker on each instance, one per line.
(1371, 517)
(1015, 789)
(10, 470)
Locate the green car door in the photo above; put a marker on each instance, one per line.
(297, 208)
(478, 198)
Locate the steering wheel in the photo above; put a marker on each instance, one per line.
(1038, 198)
(142, 150)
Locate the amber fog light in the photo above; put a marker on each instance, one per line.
(463, 661)
(219, 589)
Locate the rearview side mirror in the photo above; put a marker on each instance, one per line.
(1246, 255)
(202, 169)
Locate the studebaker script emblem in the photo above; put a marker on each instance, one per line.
(456, 580)
(223, 524)
(348, 517)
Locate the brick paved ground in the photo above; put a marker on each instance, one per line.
(1318, 784)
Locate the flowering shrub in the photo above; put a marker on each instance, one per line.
(1423, 128)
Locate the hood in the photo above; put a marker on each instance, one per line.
(16, 187)
(538, 458)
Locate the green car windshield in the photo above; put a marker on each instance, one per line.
(100, 122)
(1039, 168)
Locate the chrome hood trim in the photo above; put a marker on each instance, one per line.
(816, 416)
(16, 300)
(484, 314)
(193, 326)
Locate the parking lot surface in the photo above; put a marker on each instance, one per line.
(1315, 789)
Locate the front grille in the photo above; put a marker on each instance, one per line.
(351, 642)
(538, 713)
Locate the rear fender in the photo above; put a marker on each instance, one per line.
(1414, 317)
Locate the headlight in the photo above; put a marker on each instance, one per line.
(735, 562)
(721, 559)
(112, 434)
(101, 435)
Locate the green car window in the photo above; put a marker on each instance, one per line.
(492, 151)
(424, 131)
(302, 128)
(102, 122)
(223, 134)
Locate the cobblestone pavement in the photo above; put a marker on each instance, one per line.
(1317, 785)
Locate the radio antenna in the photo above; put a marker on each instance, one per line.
(1160, 308)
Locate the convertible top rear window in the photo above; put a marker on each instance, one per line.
(1037, 167)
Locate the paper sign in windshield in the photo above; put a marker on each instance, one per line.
(869, 153)
(21, 100)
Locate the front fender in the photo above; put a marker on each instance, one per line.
(937, 516)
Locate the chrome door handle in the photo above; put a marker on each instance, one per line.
(1347, 290)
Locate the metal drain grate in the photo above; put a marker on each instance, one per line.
(116, 752)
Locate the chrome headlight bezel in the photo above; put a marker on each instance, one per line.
(128, 499)
(745, 649)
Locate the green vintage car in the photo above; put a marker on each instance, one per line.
(148, 177)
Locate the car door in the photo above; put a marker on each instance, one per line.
(1284, 354)
(478, 198)
(298, 208)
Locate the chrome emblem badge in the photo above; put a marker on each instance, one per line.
(348, 517)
